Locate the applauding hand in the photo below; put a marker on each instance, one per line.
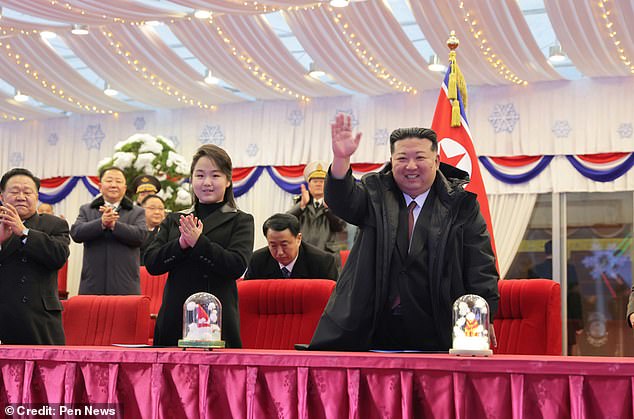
(190, 228)
(10, 220)
(305, 198)
(109, 217)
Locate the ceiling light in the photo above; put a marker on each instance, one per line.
(79, 29)
(48, 34)
(210, 79)
(314, 72)
(556, 54)
(20, 97)
(436, 65)
(202, 14)
(339, 3)
(108, 90)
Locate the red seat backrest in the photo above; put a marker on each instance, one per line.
(343, 254)
(152, 286)
(278, 313)
(106, 319)
(528, 321)
(62, 281)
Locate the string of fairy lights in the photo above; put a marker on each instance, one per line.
(254, 69)
(492, 57)
(367, 59)
(8, 117)
(606, 12)
(250, 6)
(27, 68)
(12, 30)
(150, 77)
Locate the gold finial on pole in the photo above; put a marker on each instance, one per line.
(453, 42)
(456, 82)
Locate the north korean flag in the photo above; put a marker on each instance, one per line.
(456, 148)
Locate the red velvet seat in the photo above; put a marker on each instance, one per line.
(152, 286)
(106, 319)
(528, 321)
(278, 313)
(62, 281)
(343, 254)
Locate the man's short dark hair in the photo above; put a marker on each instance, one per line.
(105, 169)
(280, 222)
(548, 247)
(18, 171)
(414, 132)
(147, 198)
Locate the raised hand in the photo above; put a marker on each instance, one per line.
(305, 197)
(344, 143)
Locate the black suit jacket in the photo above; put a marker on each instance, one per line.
(219, 257)
(30, 311)
(311, 263)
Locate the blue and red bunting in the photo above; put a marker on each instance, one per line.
(604, 167)
(54, 190)
(517, 169)
(244, 178)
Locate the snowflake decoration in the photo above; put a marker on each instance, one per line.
(381, 136)
(93, 136)
(561, 129)
(504, 118)
(16, 159)
(296, 117)
(53, 139)
(175, 140)
(212, 134)
(252, 150)
(625, 130)
(139, 123)
(607, 262)
(347, 112)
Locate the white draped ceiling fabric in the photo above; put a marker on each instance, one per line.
(362, 47)
(270, 113)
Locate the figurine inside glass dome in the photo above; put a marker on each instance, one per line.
(202, 315)
(471, 326)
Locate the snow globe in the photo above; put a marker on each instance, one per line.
(470, 326)
(202, 320)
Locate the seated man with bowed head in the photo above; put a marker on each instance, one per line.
(287, 256)
(33, 247)
(422, 244)
(112, 230)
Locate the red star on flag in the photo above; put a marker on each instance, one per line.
(452, 161)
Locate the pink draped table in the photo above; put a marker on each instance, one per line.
(169, 383)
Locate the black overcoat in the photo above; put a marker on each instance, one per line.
(460, 262)
(30, 311)
(219, 257)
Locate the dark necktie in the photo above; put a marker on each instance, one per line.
(317, 205)
(410, 220)
(285, 272)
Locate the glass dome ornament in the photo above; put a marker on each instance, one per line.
(202, 320)
(471, 326)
